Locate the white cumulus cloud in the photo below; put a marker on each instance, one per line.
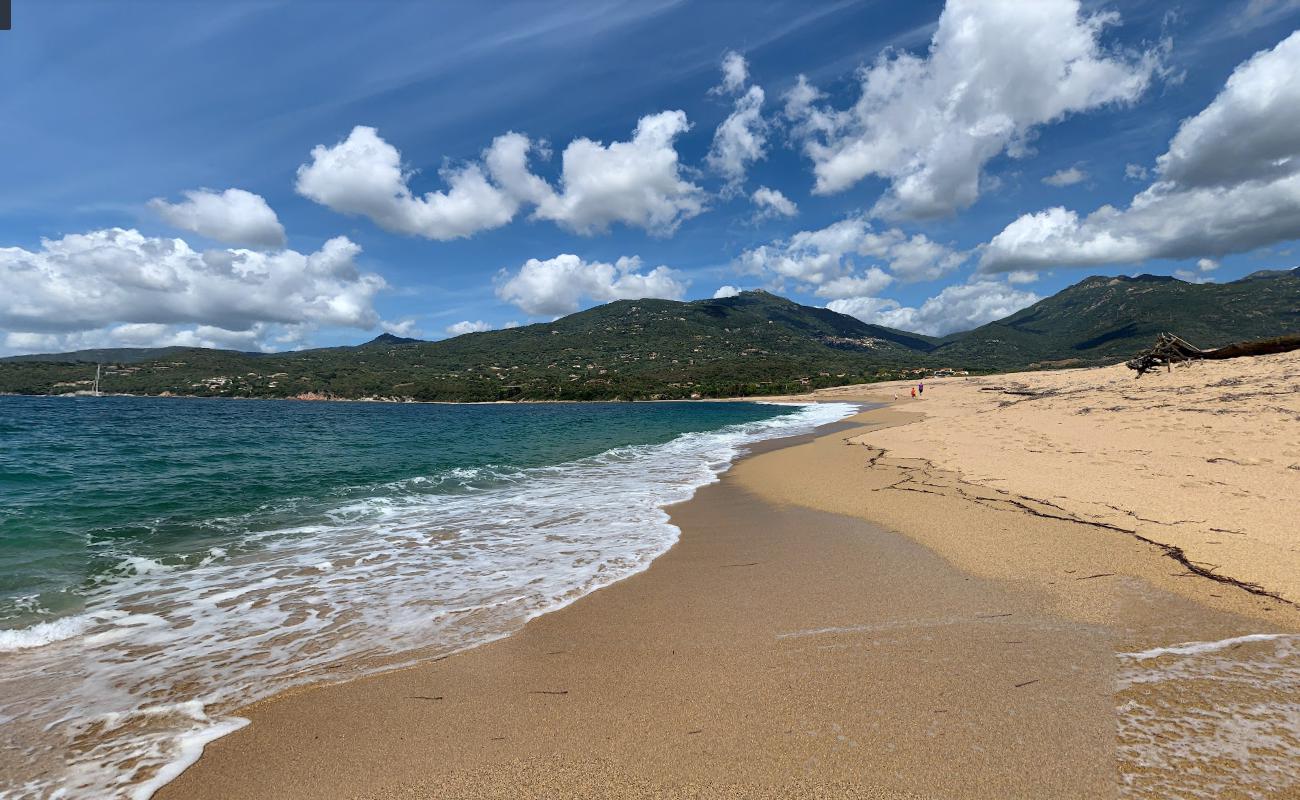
(406, 327)
(138, 334)
(1204, 266)
(1229, 183)
(735, 73)
(876, 311)
(636, 183)
(363, 175)
(912, 258)
(91, 284)
(771, 203)
(956, 308)
(466, 326)
(826, 259)
(1249, 132)
(560, 285)
(1192, 276)
(725, 291)
(741, 139)
(234, 217)
(809, 257)
(996, 71)
(1066, 177)
(868, 282)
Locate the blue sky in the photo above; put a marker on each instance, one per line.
(924, 207)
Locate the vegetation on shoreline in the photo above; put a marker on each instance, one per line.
(753, 344)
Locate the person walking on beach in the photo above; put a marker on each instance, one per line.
(913, 392)
(920, 388)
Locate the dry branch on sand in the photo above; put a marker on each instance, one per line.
(1169, 349)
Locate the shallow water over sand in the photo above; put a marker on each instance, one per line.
(1211, 719)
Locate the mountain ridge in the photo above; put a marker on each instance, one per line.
(753, 343)
(1106, 318)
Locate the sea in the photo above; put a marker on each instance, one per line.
(166, 561)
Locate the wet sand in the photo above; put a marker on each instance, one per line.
(821, 630)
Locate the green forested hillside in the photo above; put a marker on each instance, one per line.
(1102, 320)
(755, 343)
(752, 344)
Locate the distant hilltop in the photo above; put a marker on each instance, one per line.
(755, 343)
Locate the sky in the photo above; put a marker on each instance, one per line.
(278, 175)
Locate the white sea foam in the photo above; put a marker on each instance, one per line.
(214, 554)
(1211, 719)
(44, 633)
(1197, 648)
(139, 565)
(118, 700)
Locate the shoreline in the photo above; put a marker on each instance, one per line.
(375, 616)
(775, 398)
(1101, 614)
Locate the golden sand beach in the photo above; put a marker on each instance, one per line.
(1205, 458)
(1067, 584)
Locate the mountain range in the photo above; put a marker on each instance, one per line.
(755, 343)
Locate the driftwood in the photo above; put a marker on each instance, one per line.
(1170, 349)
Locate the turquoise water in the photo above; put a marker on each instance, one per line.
(87, 483)
(165, 561)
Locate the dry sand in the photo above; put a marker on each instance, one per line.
(1205, 458)
(874, 612)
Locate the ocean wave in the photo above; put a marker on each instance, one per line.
(43, 633)
(381, 581)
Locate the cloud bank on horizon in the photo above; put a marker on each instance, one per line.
(928, 189)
